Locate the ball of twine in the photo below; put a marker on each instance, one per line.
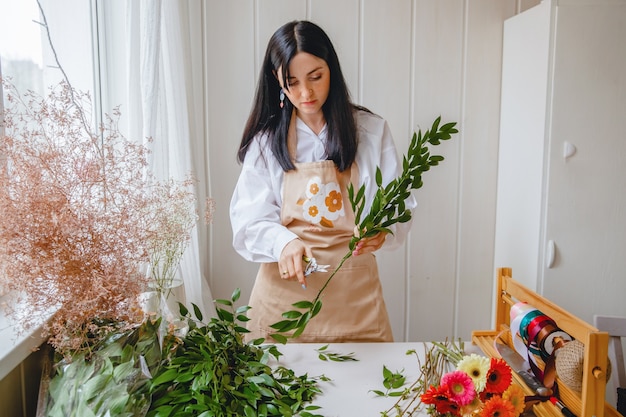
(569, 365)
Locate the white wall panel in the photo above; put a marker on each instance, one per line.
(385, 89)
(482, 78)
(437, 85)
(230, 82)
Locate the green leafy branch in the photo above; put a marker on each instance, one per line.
(213, 372)
(393, 382)
(388, 208)
(325, 355)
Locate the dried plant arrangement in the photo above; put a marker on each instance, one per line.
(80, 213)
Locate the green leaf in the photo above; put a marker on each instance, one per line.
(223, 302)
(303, 304)
(279, 338)
(236, 295)
(293, 314)
(379, 177)
(316, 308)
(284, 325)
(196, 312)
(167, 376)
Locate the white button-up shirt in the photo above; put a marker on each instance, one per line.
(255, 207)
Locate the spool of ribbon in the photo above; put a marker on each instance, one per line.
(539, 336)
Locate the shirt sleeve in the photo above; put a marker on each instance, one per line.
(258, 234)
(377, 149)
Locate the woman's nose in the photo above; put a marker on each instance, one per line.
(306, 91)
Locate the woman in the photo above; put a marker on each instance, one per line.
(304, 142)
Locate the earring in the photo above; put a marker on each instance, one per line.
(282, 98)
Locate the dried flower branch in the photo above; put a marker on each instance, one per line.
(80, 214)
(169, 227)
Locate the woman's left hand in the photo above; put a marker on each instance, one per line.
(369, 244)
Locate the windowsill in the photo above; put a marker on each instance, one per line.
(16, 344)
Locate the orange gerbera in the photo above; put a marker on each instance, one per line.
(448, 407)
(440, 398)
(515, 395)
(498, 407)
(434, 394)
(472, 408)
(499, 376)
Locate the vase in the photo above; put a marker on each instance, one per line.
(166, 290)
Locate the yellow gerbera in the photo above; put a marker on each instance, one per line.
(515, 395)
(476, 367)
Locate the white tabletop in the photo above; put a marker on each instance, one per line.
(350, 391)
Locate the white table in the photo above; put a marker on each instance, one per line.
(350, 391)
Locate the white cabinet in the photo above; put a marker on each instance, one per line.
(561, 203)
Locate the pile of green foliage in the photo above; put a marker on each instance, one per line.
(210, 371)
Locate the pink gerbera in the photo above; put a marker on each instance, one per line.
(460, 387)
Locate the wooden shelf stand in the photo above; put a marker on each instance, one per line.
(590, 401)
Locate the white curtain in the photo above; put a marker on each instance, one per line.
(160, 93)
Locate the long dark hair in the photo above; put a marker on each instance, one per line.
(268, 117)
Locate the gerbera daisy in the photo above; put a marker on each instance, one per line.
(460, 386)
(448, 408)
(471, 408)
(498, 407)
(476, 367)
(434, 394)
(486, 395)
(515, 395)
(499, 376)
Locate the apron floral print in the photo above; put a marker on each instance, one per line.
(323, 203)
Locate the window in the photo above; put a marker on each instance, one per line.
(26, 57)
(28, 61)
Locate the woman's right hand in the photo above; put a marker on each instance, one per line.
(290, 264)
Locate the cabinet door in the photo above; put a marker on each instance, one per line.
(522, 143)
(585, 207)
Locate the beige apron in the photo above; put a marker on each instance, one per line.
(317, 209)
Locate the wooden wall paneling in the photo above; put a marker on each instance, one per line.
(230, 83)
(479, 162)
(271, 14)
(341, 21)
(384, 89)
(436, 78)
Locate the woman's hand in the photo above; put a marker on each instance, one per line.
(369, 244)
(290, 264)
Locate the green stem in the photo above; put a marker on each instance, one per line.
(345, 258)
